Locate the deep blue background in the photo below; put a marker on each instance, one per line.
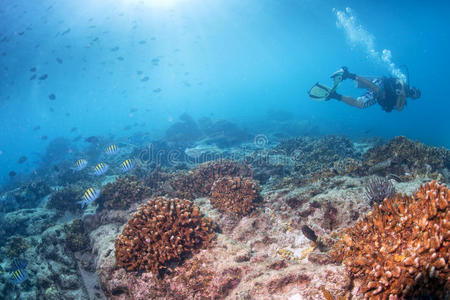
(229, 59)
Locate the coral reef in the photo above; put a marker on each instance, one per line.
(123, 192)
(195, 183)
(29, 195)
(162, 231)
(379, 188)
(202, 178)
(405, 158)
(28, 221)
(401, 248)
(16, 246)
(75, 236)
(65, 199)
(235, 195)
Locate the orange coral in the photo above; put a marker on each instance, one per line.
(235, 195)
(161, 231)
(401, 248)
(122, 193)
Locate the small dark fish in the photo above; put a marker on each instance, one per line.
(146, 78)
(33, 77)
(12, 174)
(43, 77)
(309, 233)
(157, 90)
(92, 139)
(33, 69)
(52, 109)
(96, 39)
(155, 61)
(52, 96)
(21, 33)
(65, 31)
(44, 137)
(37, 127)
(142, 42)
(59, 60)
(77, 138)
(133, 109)
(114, 49)
(120, 58)
(56, 168)
(67, 114)
(128, 127)
(139, 72)
(73, 129)
(22, 159)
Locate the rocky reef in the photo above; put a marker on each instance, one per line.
(405, 158)
(65, 199)
(401, 249)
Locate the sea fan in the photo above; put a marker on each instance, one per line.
(378, 188)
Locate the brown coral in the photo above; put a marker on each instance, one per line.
(122, 193)
(204, 176)
(235, 195)
(162, 231)
(401, 248)
(195, 183)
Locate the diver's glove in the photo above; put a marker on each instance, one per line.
(333, 95)
(346, 74)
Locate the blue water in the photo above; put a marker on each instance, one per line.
(230, 59)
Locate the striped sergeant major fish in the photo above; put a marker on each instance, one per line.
(127, 165)
(112, 149)
(100, 169)
(18, 273)
(19, 276)
(89, 196)
(80, 165)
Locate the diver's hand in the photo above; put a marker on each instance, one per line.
(346, 74)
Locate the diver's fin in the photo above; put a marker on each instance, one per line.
(320, 91)
(338, 77)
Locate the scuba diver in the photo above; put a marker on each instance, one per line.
(389, 92)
